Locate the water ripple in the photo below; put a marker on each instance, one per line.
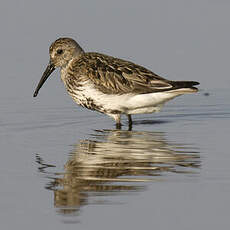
(112, 162)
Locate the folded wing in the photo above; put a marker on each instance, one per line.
(116, 76)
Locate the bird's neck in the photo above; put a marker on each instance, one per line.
(64, 70)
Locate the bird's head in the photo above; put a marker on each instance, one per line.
(61, 52)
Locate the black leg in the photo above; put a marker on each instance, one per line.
(130, 122)
(130, 128)
(130, 119)
(118, 126)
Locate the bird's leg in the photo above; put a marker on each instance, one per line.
(118, 126)
(118, 121)
(117, 118)
(130, 121)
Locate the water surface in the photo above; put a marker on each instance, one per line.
(62, 164)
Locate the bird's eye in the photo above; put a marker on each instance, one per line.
(59, 51)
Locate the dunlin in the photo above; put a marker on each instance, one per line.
(110, 85)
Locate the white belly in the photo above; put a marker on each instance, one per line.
(125, 103)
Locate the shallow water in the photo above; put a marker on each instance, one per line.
(61, 164)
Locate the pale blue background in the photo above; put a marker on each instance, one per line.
(180, 40)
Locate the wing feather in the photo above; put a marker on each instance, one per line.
(116, 76)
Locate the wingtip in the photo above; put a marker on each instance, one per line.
(196, 83)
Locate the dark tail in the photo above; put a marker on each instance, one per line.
(184, 84)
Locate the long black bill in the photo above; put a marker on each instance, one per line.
(49, 69)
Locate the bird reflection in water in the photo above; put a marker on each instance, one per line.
(113, 162)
